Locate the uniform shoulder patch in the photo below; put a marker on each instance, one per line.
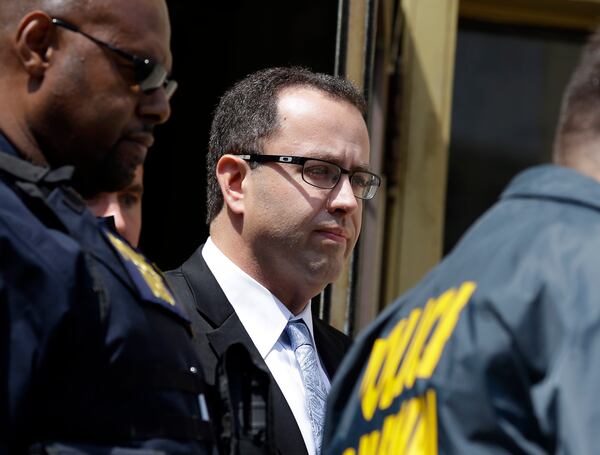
(147, 278)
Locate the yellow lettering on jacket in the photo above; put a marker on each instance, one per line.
(411, 350)
(412, 431)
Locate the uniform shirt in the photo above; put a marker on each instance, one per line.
(265, 318)
(94, 351)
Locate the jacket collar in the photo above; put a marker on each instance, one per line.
(555, 183)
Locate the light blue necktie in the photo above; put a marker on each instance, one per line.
(316, 392)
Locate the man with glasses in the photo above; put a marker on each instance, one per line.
(288, 175)
(95, 353)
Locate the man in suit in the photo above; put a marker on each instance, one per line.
(287, 175)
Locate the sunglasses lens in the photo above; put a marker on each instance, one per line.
(151, 76)
(170, 88)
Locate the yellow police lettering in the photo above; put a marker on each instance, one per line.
(433, 351)
(434, 310)
(413, 430)
(369, 443)
(398, 343)
(411, 411)
(411, 350)
(432, 427)
(389, 434)
(370, 387)
(404, 372)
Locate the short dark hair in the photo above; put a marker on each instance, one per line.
(579, 119)
(247, 115)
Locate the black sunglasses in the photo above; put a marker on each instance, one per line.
(149, 74)
(324, 174)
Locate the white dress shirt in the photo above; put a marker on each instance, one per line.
(265, 317)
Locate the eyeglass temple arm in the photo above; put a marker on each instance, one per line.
(273, 159)
(73, 28)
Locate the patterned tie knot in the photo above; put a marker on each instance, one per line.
(298, 334)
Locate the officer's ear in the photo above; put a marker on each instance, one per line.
(231, 173)
(34, 42)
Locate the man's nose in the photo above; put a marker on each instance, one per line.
(114, 209)
(341, 197)
(155, 106)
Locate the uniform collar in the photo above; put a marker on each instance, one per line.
(14, 164)
(555, 183)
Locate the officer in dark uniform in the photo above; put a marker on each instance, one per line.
(497, 350)
(95, 354)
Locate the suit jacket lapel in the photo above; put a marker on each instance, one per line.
(330, 349)
(213, 305)
(209, 298)
(227, 329)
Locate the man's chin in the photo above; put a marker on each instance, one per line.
(326, 270)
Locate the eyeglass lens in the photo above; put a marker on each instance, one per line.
(327, 175)
(151, 76)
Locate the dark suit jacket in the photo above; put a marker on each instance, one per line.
(195, 286)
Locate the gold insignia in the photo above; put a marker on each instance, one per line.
(151, 277)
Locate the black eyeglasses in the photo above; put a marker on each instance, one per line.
(324, 174)
(149, 74)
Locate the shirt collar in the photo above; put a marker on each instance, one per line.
(262, 314)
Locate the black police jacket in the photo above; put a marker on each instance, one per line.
(497, 350)
(95, 353)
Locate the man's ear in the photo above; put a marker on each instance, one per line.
(231, 172)
(33, 42)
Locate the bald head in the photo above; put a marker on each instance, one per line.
(12, 11)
